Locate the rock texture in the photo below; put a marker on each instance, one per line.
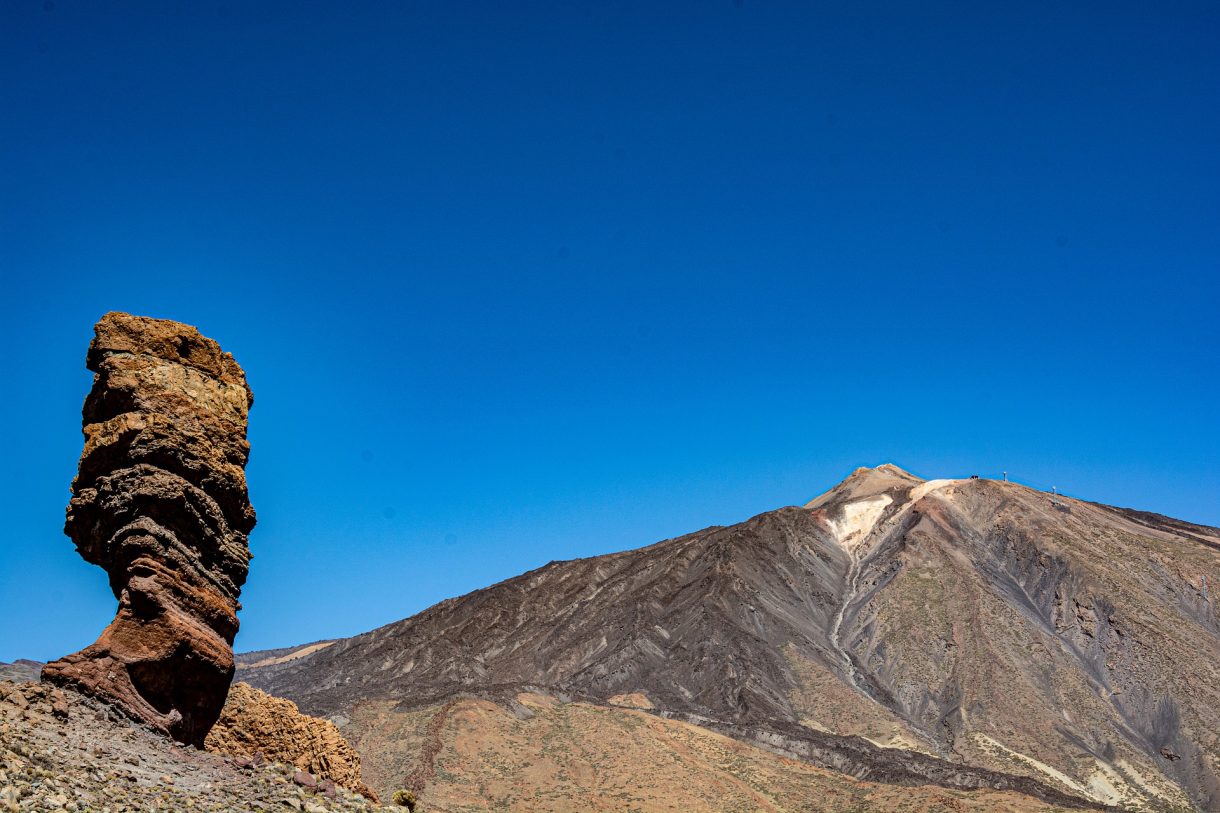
(965, 633)
(253, 724)
(160, 503)
(61, 751)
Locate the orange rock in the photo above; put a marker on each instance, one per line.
(253, 722)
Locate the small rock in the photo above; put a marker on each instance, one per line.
(305, 780)
(59, 703)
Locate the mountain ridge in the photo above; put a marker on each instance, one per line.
(883, 609)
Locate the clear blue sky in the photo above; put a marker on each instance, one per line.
(521, 282)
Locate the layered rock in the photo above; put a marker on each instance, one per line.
(254, 724)
(160, 503)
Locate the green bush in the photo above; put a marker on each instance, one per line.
(405, 798)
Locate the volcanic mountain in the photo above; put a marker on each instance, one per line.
(950, 634)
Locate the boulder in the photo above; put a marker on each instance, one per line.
(253, 722)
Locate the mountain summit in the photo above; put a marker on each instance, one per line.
(962, 633)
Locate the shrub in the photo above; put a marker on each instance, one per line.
(405, 798)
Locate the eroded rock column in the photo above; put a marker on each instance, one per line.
(160, 503)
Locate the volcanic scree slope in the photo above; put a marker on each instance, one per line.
(985, 633)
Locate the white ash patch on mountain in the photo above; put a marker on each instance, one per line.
(858, 519)
(924, 489)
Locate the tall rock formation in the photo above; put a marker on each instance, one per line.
(160, 503)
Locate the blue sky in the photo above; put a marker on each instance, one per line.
(522, 282)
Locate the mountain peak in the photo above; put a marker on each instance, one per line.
(865, 482)
(891, 469)
(945, 619)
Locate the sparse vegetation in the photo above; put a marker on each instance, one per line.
(405, 798)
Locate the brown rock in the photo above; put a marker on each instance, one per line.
(160, 502)
(253, 722)
(59, 704)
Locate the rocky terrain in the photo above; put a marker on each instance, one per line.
(160, 503)
(255, 725)
(535, 752)
(967, 634)
(63, 751)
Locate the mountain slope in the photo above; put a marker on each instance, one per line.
(20, 670)
(989, 634)
(535, 753)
